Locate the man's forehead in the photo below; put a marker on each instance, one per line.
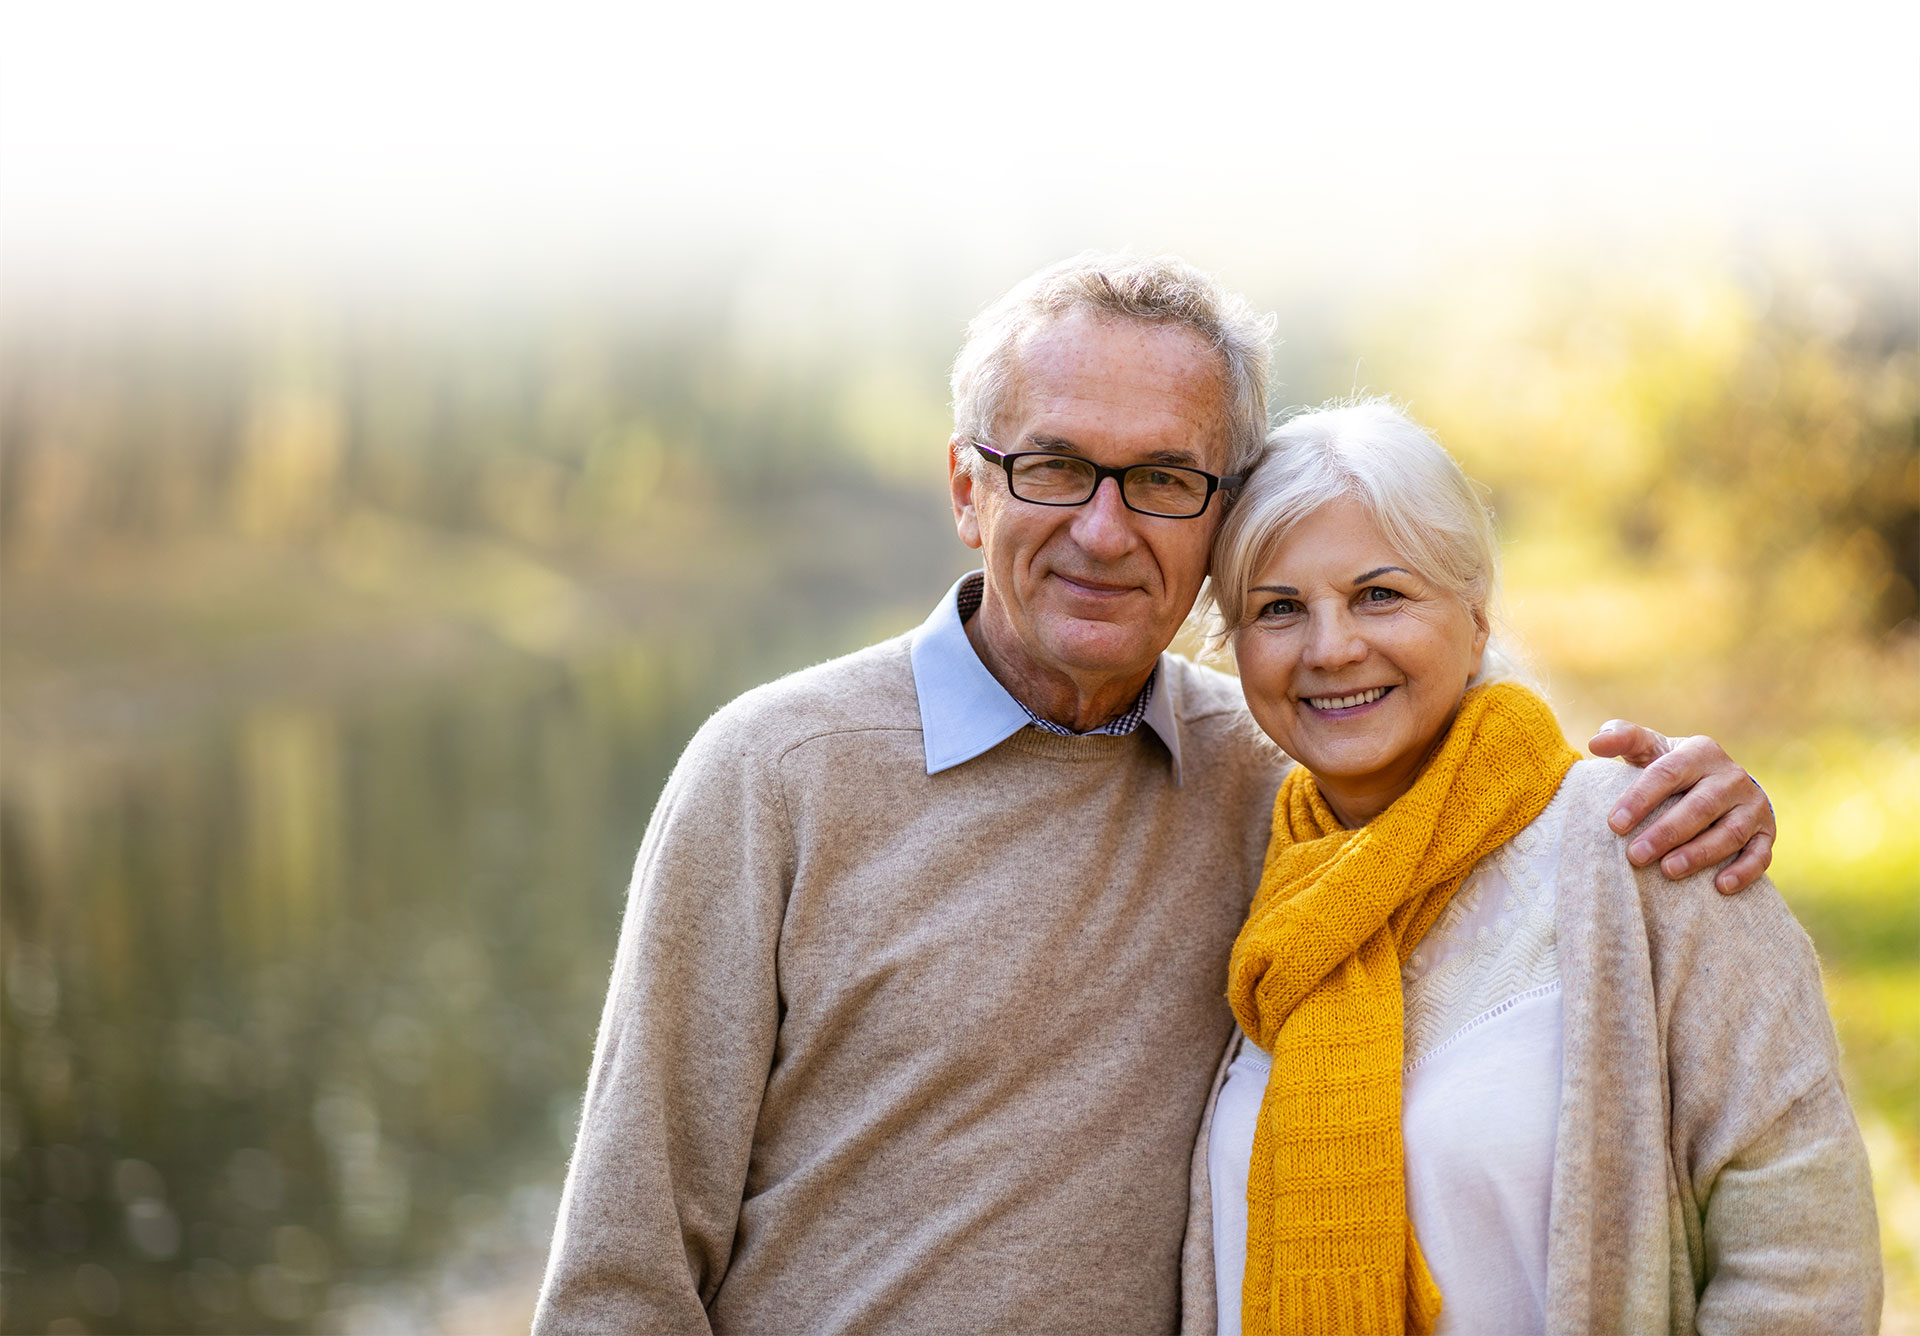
(1103, 372)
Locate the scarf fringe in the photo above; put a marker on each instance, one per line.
(1350, 1303)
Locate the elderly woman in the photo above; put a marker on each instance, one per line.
(1492, 1079)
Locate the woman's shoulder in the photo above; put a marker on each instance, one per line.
(1671, 907)
(1721, 964)
(1589, 791)
(1585, 800)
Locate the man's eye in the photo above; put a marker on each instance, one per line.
(1059, 464)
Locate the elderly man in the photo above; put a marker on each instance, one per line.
(919, 992)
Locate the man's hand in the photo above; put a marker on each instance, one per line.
(1723, 809)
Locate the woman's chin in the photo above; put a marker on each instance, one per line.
(1359, 789)
(1349, 767)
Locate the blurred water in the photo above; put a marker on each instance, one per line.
(299, 1003)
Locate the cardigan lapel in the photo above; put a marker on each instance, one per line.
(1614, 1209)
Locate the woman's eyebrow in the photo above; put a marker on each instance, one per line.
(1275, 589)
(1379, 571)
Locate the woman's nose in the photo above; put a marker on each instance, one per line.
(1332, 640)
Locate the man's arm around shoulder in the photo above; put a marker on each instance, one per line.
(686, 1039)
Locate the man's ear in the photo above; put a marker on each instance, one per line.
(960, 481)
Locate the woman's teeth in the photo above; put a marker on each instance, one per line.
(1347, 702)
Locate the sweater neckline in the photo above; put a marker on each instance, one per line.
(1081, 747)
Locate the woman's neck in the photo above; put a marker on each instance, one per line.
(1355, 808)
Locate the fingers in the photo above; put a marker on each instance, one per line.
(1630, 742)
(1748, 868)
(1710, 803)
(1683, 767)
(1723, 815)
(1722, 811)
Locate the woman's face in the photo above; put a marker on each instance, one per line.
(1352, 661)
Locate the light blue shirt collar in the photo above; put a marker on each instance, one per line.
(964, 711)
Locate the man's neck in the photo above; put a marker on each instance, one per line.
(1073, 703)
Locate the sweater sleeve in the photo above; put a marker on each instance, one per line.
(1791, 1243)
(687, 1036)
(1784, 1236)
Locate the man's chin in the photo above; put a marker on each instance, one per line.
(1102, 647)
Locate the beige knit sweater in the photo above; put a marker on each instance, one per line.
(1708, 1174)
(891, 1052)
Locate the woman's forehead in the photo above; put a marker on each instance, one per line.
(1338, 539)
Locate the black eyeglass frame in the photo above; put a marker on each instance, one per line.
(1101, 472)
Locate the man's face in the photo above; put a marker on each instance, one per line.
(1093, 593)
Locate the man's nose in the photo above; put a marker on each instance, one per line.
(1103, 527)
(1332, 641)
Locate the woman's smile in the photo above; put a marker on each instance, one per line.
(1346, 705)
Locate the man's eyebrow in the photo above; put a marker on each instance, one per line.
(1379, 571)
(1057, 445)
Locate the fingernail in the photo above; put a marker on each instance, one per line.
(1674, 866)
(1640, 851)
(1620, 820)
(1724, 883)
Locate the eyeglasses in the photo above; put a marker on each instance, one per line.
(1169, 491)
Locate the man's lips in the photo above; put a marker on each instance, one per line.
(1086, 588)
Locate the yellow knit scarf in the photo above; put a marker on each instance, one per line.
(1315, 980)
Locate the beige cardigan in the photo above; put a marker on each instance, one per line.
(1708, 1173)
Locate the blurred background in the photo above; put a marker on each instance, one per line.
(414, 419)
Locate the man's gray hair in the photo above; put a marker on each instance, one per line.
(1160, 290)
(1371, 452)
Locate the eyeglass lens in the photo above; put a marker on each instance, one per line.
(1063, 480)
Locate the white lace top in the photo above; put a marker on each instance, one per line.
(1480, 1098)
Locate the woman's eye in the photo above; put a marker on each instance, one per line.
(1378, 594)
(1280, 607)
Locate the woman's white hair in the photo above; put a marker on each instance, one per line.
(1368, 451)
(1159, 290)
